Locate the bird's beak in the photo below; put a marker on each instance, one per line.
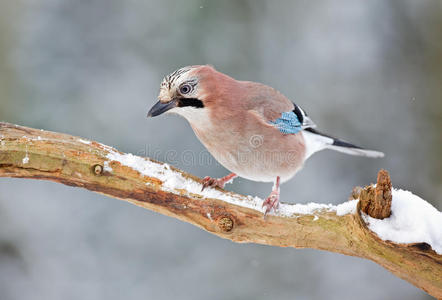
(161, 107)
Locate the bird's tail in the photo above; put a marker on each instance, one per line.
(316, 141)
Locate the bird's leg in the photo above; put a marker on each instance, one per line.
(272, 200)
(220, 182)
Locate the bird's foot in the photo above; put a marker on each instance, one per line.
(217, 182)
(272, 202)
(212, 182)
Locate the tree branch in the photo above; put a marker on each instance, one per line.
(36, 154)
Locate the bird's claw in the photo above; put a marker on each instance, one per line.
(272, 202)
(212, 182)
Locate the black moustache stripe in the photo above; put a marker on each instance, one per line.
(193, 102)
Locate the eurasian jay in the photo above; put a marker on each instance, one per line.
(251, 129)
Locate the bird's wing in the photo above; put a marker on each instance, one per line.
(276, 109)
(293, 121)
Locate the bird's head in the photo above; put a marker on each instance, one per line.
(183, 92)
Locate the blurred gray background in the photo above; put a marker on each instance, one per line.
(366, 71)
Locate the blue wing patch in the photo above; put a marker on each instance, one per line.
(288, 123)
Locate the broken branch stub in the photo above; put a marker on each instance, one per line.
(376, 201)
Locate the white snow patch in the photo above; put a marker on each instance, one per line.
(286, 209)
(25, 159)
(107, 167)
(84, 141)
(412, 220)
(346, 208)
(315, 218)
(174, 182)
(39, 138)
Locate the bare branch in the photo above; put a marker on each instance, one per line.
(31, 153)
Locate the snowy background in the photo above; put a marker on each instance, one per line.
(366, 71)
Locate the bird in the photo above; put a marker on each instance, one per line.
(251, 129)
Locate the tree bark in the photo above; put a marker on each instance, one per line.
(36, 154)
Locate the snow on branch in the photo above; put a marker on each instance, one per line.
(393, 228)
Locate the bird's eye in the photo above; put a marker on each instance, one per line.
(185, 89)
